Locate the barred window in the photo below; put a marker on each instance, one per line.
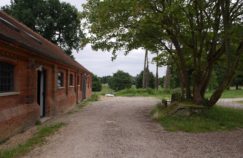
(60, 79)
(71, 80)
(6, 77)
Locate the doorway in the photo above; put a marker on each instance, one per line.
(41, 91)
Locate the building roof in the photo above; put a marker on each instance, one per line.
(14, 31)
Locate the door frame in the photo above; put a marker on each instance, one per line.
(41, 91)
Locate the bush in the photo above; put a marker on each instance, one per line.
(120, 80)
(96, 84)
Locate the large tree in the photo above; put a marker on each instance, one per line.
(196, 34)
(57, 21)
(120, 80)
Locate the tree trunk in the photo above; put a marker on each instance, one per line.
(157, 74)
(228, 77)
(144, 70)
(167, 78)
(147, 73)
(237, 86)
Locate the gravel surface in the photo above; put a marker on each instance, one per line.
(231, 102)
(121, 127)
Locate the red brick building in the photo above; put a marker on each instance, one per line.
(37, 79)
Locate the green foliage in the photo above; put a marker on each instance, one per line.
(56, 21)
(96, 84)
(215, 119)
(105, 79)
(238, 80)
(139, 80)
(213, 81)
(120, 80)
(38, 139)
(105, 90)
(195, 35)
(95, 97)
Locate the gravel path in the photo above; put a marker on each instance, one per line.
(231, 102)
(121, 127)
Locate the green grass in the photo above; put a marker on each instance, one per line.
(93, 98)
(105, 90)
(214, 119)
(230, 94)
(144, 92)
(161, 93)
(241, 102)
(38, 139)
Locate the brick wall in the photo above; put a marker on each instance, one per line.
(20, 110)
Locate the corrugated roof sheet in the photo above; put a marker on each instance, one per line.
(16, 31)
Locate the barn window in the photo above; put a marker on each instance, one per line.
(71, 80)
(6, 77)
(60, 79)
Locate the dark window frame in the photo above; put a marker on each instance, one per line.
(7, 82)
(60, 79)
(71, 80)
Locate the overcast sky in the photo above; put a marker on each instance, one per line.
(100, 62)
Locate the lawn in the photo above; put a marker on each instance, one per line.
(214, 119)
(144, 92)
(38, 139)
(166, 94)
(230, 94)
(105, 90)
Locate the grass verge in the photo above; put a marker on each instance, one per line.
(93, 98)
(214, 119)
(105, 90)
(38, 139)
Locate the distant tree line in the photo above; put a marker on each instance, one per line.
(122, 80)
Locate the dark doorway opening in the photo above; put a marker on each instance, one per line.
(41, 91)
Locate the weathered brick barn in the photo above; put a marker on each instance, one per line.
(37, 79)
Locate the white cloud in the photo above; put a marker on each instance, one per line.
(4, 2)
(100, 62)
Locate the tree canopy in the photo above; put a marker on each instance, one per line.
(151, 80)
(59, 22)
(96, 84)
(120, 80)
(196, 34)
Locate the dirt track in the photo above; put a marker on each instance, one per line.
(121, 127)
